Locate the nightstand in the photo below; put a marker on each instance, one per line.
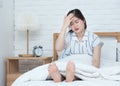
(13, 66)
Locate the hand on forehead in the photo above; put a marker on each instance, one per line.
(71, 15)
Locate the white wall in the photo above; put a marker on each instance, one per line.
(101, 15)
(6, 36)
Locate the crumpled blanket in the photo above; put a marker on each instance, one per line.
(89, 72)
(83, 71)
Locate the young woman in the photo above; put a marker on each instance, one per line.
(75, 41)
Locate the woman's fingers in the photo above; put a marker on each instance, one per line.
(67, 20)
(71, 15)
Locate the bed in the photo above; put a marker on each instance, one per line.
(109, 74)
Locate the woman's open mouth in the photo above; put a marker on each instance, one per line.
(76, 29)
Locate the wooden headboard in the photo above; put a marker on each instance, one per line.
(105, 34)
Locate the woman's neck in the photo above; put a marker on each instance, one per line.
(80, 35)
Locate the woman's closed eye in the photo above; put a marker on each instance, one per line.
(72, 23)
(76, 21)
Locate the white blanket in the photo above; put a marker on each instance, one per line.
(84, 70)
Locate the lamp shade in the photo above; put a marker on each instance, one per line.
(27, 22)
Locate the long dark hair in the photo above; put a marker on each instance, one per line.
(77, 13)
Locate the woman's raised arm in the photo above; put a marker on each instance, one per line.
(60, 42)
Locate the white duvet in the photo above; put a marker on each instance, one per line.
(89, 74)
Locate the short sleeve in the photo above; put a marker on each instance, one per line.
(97, 41)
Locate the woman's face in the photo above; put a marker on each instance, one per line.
(77, 25)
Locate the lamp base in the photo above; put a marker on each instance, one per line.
(25, 55)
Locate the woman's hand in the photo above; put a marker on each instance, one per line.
(67, 20)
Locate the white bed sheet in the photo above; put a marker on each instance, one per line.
(94, 82)
(36, 76)
(75, 83)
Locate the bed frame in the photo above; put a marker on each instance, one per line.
(104, 34)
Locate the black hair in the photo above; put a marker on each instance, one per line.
(77, 13)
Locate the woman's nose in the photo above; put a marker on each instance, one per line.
(74, 24)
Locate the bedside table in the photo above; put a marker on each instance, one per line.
(13, 66)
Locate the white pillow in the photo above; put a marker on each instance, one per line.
(108, 51)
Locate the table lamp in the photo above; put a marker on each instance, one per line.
(27, 25)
